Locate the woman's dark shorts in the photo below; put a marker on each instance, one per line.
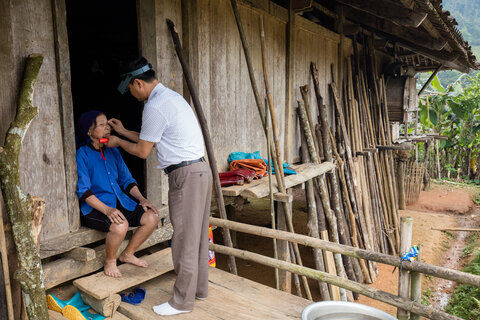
(99, 221)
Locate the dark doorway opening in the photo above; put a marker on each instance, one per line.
(102, 35)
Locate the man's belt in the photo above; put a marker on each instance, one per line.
(182, 164)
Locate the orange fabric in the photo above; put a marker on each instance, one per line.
(256, 165)
(212, 262)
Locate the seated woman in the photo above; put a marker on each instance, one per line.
(103, 183)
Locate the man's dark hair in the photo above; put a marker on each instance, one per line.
(137, 63)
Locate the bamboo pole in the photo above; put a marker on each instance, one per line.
(270, 187)
(313, 221)
(403, 276)
(206, 135)
(426, 311)
(456, 229)
(6, 271)
(279, 174)
(30, 273)
(432, 270)
(296, 281)
(325, 201)
(353, 224)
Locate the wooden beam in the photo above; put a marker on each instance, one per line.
(80, 238)
(390, 10)
(415, 36)
(430, 79)
(62, 270)
(81, 254)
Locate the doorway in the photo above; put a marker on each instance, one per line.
(102, 35)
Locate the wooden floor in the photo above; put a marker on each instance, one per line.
(230, 297)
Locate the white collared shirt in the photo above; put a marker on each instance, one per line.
(169, 122)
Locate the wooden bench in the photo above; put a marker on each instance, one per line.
(260, 188)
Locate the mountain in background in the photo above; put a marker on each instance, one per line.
(467, 14)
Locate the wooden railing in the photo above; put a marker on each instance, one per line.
(399, 302)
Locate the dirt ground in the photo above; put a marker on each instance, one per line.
(442, 206)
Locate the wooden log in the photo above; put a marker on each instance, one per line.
(406, 225)
(432, 270)
(17, 203)
(81, 254)
(296, 280)
(106, 307)
(426, 311)
(53, 315)
(65, 269)
(206, 135)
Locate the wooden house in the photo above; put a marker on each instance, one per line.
(83, 43)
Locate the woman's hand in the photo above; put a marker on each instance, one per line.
(117, 125)
(148, 205)
(114, 215)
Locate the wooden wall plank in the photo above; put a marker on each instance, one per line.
(42, 170)
(66, 110)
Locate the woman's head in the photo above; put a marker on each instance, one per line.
(92, 126)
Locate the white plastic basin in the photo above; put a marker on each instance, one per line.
(339, 310)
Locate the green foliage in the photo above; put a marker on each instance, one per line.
(455, 112)
(465, 300)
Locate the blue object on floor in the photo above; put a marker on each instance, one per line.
(134, 297)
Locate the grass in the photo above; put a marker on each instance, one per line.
(465, 301)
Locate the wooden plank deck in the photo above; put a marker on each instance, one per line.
(260, 188)
(230, 297)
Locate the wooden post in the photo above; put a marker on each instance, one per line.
(206, 135)
(416, 290)
(402, 158)
(403, 276)
(289, 69)
(426, 174)
(29, 274)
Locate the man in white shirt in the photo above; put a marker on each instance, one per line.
(169, 123)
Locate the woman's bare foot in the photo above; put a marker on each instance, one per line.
(130, 258)
(110, 269)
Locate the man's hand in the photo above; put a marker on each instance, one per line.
(114, 215)
(148, 205)
(113, 142)
(117, 125)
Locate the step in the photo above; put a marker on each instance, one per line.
(101, 286)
